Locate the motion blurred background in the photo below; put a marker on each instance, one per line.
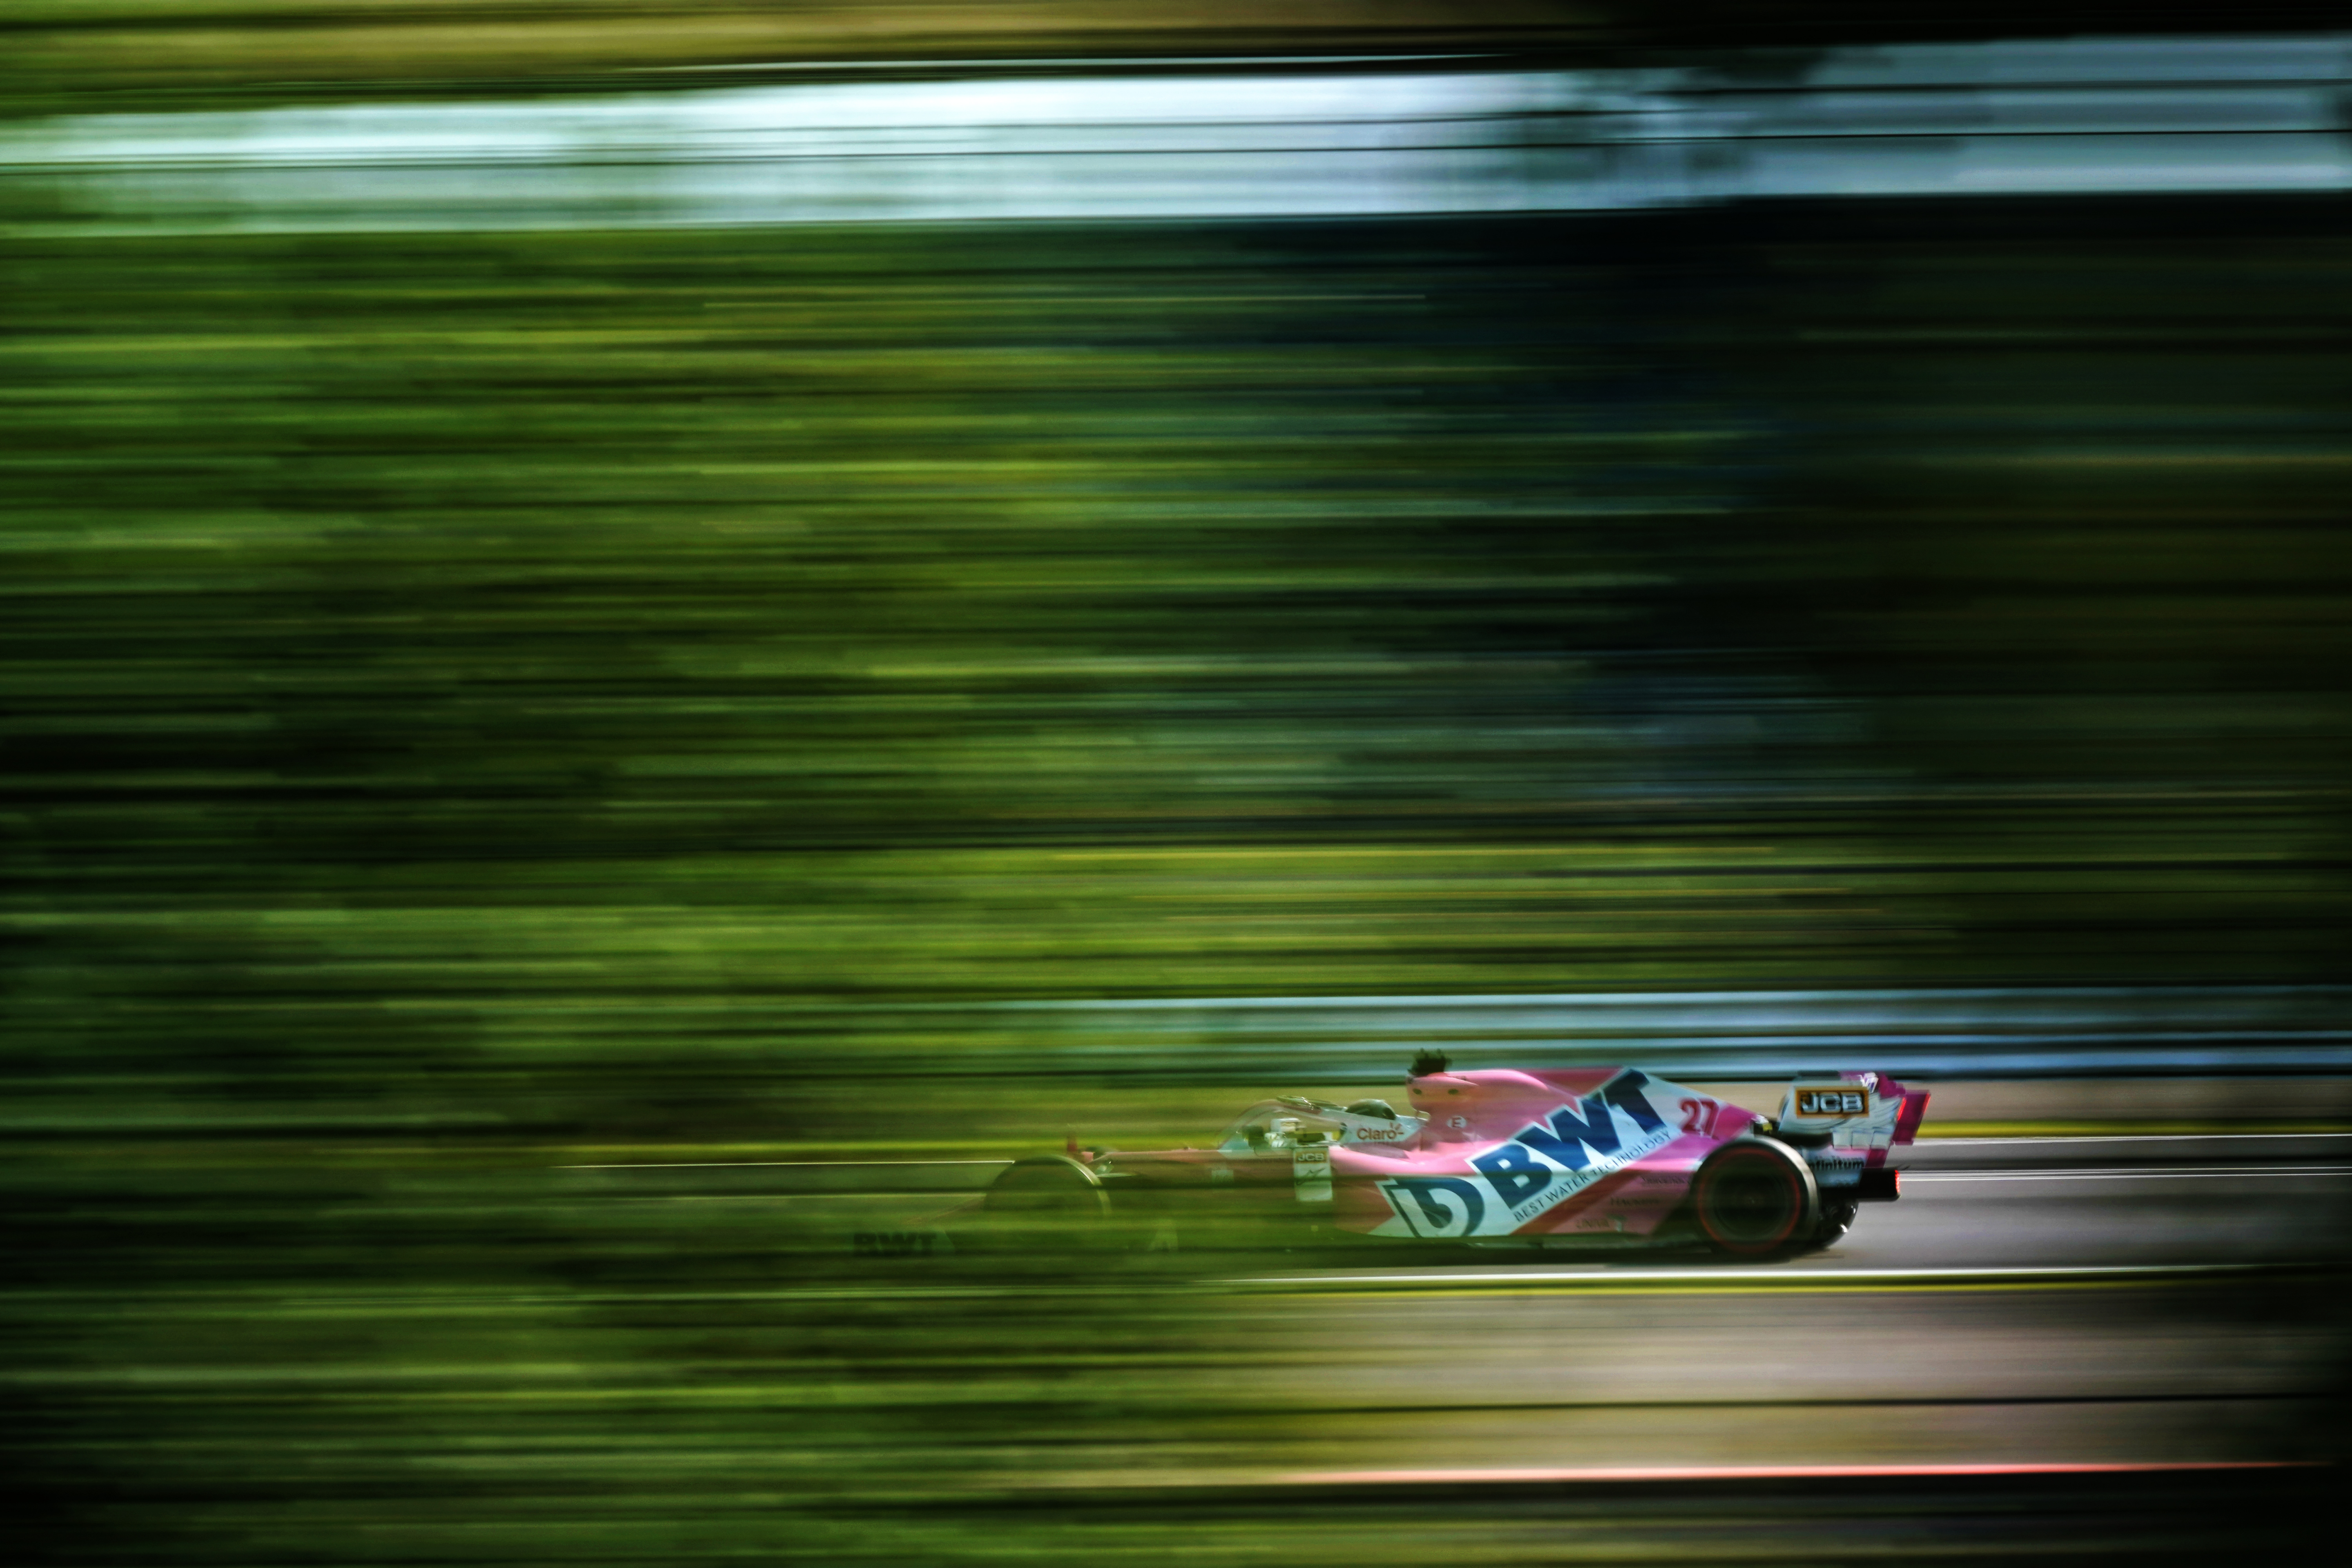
(639, 636)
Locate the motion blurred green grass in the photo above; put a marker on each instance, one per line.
(591, 690)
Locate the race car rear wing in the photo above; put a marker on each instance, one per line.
(1859, 1111)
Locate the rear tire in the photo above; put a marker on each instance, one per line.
(1754, 1197)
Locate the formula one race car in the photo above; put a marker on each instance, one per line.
(1583, 1157)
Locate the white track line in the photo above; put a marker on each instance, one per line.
(2158, 1174)
(1733, 1274)
(1932, 1141)
(772, 1164)
(1929, 1142)
(1773, 1472)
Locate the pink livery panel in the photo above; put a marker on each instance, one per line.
(1505, 1153)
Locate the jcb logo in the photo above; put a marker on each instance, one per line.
(1848, 1099)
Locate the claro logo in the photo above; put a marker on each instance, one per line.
(1845, 1100)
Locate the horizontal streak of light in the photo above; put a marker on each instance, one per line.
(1940, 1143)
(1763, 1274)
(1607, 1474)
(769, 1164)
(1931, 1140)
(2157, 1173)
(1137, 62)
(2085, 117)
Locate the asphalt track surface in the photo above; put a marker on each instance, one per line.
(2028, 1303)
(2079, 1202)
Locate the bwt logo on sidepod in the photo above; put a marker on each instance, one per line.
(1437, 1205)
(1543, 1163)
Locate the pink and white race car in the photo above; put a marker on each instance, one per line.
(1582, 1157)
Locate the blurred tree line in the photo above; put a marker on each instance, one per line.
(134, 56)
(434, 652)
(474, 701)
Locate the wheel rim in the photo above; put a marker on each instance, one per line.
(1750, 1202)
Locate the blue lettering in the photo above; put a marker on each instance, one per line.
(1517, 1178)
(1568, 1130)
(1624, 1092)
(1419, 1188)
(1594, 1129)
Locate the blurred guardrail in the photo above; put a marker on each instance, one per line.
(1226, 139)
(1974, 1032)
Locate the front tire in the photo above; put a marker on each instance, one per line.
(1754, 1197)
(1050, 1203)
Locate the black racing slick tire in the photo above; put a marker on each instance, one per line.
(1047, 1204)
(1754, 1197)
